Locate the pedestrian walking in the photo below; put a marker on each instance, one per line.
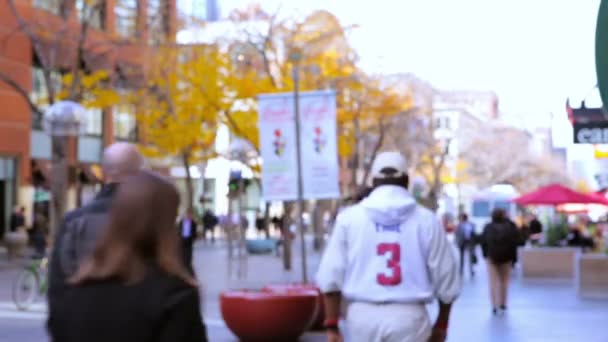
(536, 229)
(80, 228)
(499, 244)
(17, 219)
(133, 286)
(40, 230)
(261, 226)
(187, 230)
(386, 259)
(209, 223)
(466, 241)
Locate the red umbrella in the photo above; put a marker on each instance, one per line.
(556, 194)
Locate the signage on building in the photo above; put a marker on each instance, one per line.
(591, 133)
(590, 124)
(318, 143)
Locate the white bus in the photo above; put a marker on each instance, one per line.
(484, 202)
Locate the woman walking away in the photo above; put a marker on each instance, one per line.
(499, 243)
(134, 286)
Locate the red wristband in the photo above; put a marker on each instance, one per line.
(331, 323)
(441, 325)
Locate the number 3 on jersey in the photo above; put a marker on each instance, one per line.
(392, 276)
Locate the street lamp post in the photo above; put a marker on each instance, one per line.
(62, 120)
(239, 150)
(295, 57)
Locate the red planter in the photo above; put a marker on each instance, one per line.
(319, 318)
(268, 315)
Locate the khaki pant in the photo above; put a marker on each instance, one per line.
(499, 282)
(367, 322)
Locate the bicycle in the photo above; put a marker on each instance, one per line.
(30, 284)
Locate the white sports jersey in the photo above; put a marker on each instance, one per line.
(389, 249)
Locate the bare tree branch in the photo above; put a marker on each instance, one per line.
(10, 82)
(376, 149)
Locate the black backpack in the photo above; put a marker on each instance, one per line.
(500, 241)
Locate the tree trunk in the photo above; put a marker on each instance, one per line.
(354, 166)
(317, 220)
(375, 151)
(267, 219)
(189, 183)
(286, 235)
(59, 182)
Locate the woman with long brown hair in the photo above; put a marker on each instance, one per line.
(134, 287)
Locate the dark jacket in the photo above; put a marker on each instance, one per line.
(536, 227)
(499, 241)
(209, 220)
(17, 220)
(76, 238)
(160, 308)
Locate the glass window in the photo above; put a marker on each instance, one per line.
(40, 94)
(125, 12)
(93, 13)
(125, 124)
(94, 122)
(481, 209)
(53, 6)
(157, 21)
(502, 205)
(446, 123)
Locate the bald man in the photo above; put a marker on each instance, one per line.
(81, 227)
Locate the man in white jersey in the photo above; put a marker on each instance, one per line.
(387, 257)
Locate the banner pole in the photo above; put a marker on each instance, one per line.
(300, 201)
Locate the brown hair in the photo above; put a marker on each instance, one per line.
(140, 233)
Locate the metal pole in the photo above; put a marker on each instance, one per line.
(300, 204)
(242, 273)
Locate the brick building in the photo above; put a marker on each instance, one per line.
(118, 35)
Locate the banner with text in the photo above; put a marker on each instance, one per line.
(318, 144)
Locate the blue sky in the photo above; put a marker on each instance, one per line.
(533, 53)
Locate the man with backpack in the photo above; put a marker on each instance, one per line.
(499, 244)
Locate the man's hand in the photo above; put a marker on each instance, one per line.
(333, 336)
(438, 335)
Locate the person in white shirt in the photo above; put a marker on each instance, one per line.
(387, 257)
(188, 231)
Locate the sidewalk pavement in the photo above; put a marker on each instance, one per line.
(539, 310)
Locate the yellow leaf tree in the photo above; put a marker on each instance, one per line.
(179, 107)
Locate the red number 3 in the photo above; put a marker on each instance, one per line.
(393, 263)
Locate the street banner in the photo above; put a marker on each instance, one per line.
(278, 147)
(319, 145)
(318, 142)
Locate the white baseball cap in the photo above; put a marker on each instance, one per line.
(389, 160)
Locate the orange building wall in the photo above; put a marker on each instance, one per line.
(15, 61)
(15, 114)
